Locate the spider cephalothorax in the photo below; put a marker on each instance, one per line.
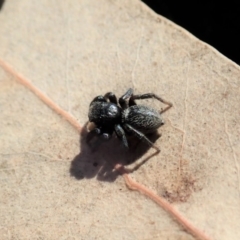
(125, 116)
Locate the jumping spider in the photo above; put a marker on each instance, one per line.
(108, 117)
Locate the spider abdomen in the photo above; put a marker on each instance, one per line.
(142, 118)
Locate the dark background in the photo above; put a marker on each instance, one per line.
(1, 3)
(214, 22)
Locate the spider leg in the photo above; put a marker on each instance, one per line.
(99, 99)
(123, 100)
(121, 134)
(150, 95)
(111, 97)
(141, 136)
(132, 102)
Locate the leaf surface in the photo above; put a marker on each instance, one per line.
(52, 185)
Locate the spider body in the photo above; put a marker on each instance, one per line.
(142, 118)
(125, 118)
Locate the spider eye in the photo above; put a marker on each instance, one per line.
(106, 136)
(98, 131)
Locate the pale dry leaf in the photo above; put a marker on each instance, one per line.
(52, 187)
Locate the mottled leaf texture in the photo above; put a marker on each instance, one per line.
(53, 185)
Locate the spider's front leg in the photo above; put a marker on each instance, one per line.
(98, 99)
(149, 95)
(123, 100)
(141, 136)
(111, 97)
(121, 134)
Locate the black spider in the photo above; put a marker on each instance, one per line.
(109, 117)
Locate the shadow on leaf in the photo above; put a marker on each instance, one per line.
(98, 157)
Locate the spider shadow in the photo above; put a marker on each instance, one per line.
(97, 157)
